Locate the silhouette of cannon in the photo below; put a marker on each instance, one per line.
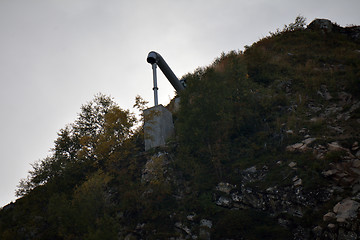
(155, 59)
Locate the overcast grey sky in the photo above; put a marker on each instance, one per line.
(55, 55)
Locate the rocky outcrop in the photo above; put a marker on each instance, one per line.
(327, 26)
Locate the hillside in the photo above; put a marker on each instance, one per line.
(267, 146)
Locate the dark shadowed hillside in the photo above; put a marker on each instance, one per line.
(267, 146)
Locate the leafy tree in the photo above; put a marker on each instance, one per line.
(298, 24)
(100, 128)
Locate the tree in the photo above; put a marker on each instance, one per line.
(298, 24)
(101, 128)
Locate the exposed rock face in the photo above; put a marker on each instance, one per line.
(322, 24)
(302, 146)
(327, 26)
(345, 210)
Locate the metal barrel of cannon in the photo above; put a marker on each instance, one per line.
(155, 59)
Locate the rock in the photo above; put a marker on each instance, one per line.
(354, 107)
(302, 146)
(191, 217)
(292, 164)
(223, 202)
(324, 25)
(337, 129)
(303, 131)
(346, 209)
(331, 226)
(181, 226)
(355, 146)
(205, 227)
(309, 141)
(345, 98)
(224, 187)
(206, 223)
(284, 222)
(250, 170)
(294, 147)
(315, 108)
(155, 168)
(290, 132)
(329, 217)
(301, 233)
(236, 197)
(323, 92)
(335, 146)
(316, 119)
(298, 183)
(329, 173)
(331, 110)
(317, 231)
(357, 154)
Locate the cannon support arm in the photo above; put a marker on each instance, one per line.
(155, 58)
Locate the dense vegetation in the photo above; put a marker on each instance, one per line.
(233, 115)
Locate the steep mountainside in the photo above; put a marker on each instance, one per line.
(267, 146)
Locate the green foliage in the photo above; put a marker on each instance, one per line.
(234, 114)
(298, 24)
(71, 185)
(100, 129)
(215, 111)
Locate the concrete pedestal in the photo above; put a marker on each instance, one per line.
(158, 126)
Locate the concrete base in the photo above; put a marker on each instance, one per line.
(158, 126)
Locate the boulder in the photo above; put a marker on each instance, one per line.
(329, 217)
(294, 147)
(324, 25)
(292, 164)
(205, 227)
(302, 146)
(330, 172)
(206, 223)
(298, 183)
(346, 209)
(250, 170)
(309, 141)
(181, 226)
(223, 201)
(335, 146)
(331, 226)
(225, 187)
(355, 146)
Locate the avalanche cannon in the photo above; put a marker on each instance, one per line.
(155, 59)
(158, 124)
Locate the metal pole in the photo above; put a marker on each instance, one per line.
(154, 57)
(155, 88)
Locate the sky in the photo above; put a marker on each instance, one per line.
(55, 55)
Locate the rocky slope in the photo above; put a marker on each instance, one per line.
(267, 147)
